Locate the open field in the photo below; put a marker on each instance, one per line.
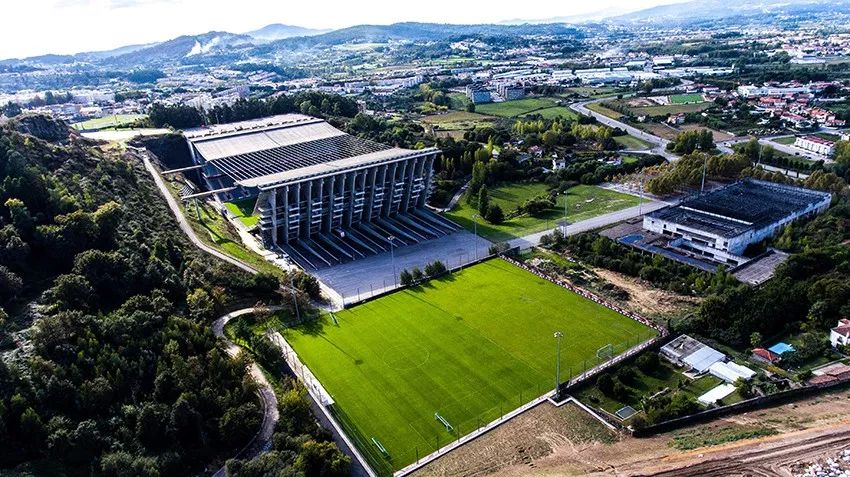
(632, 143)
(686, 98)
(763, 442)
(517, 107)
(601, 109)
(584, 202)
(456, 122)
(718, 136)
(557, 111)
(112, 121)
(660, 130)
(787, 140)
(470, 346)
(672, 109)
(244, 211)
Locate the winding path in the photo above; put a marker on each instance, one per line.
(262, 441)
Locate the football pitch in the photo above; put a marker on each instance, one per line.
(469, 347)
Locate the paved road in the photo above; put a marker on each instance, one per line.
(262, 441)
(659, 144)
(184, 224)
(591, 224)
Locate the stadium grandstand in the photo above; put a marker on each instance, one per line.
(721, 224)
(322, 196)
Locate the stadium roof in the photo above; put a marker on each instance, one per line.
(739, 207)
(286, 148)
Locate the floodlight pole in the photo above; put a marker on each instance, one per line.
(558, 336)
(475, 218)
(391, 238)
(566, 197)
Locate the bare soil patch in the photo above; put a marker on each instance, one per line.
(524, 440)
(646, 299)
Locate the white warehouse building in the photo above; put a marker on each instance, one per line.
(721, 224)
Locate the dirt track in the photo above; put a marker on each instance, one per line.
(550, 442)
(774, 457)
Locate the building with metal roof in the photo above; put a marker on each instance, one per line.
(323, 196)
(721, 224)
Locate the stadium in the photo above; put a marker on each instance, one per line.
(323, 197)
(720, 225)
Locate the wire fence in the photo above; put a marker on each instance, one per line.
(371, 290)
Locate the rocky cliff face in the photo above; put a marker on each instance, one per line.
(43, 127)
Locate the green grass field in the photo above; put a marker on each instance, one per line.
(519, 107)
(604, 110)
(787, 140)
(632, 143)
(555, 112)
(686, 98)
(584, 202)
(244, 211)
(111, 121)
(671, 109)
(470, 347)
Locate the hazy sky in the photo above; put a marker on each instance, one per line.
(34, 27)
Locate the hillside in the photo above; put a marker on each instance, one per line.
(278, 31)
(709, 10)
(108, 365)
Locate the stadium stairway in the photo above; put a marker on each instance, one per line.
(367, 239)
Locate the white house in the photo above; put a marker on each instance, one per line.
(840, 335)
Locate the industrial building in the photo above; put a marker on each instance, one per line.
(322, 196)
(720, 225)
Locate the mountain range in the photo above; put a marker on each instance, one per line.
(277, 38)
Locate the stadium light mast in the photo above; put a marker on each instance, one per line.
(391, 238)
(475, 218)
(558, 336)
(566, 197)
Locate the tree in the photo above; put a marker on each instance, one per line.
(648, 362)
(470, 107)
(495, 215)
(71, 292)
(755, 339)
(10, 284)
(417, 274)
(483, 201)
(435, 269)
(405, 278)
(201, 305)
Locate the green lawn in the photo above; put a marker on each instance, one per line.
(584, 202)
(686, 98)
(671, 109)
(828, 136)
(244, 211)
(111, 121)
(557, 111)
(517, 107)
(632, 143)
(470, 347)
(787, 140)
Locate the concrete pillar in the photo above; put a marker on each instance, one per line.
(309, 214)
(286, 214)
(370, 197)
(427, 174)
(298, 204)
(349, 209)
(328, 222)
(272, 198)
(389, 195)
